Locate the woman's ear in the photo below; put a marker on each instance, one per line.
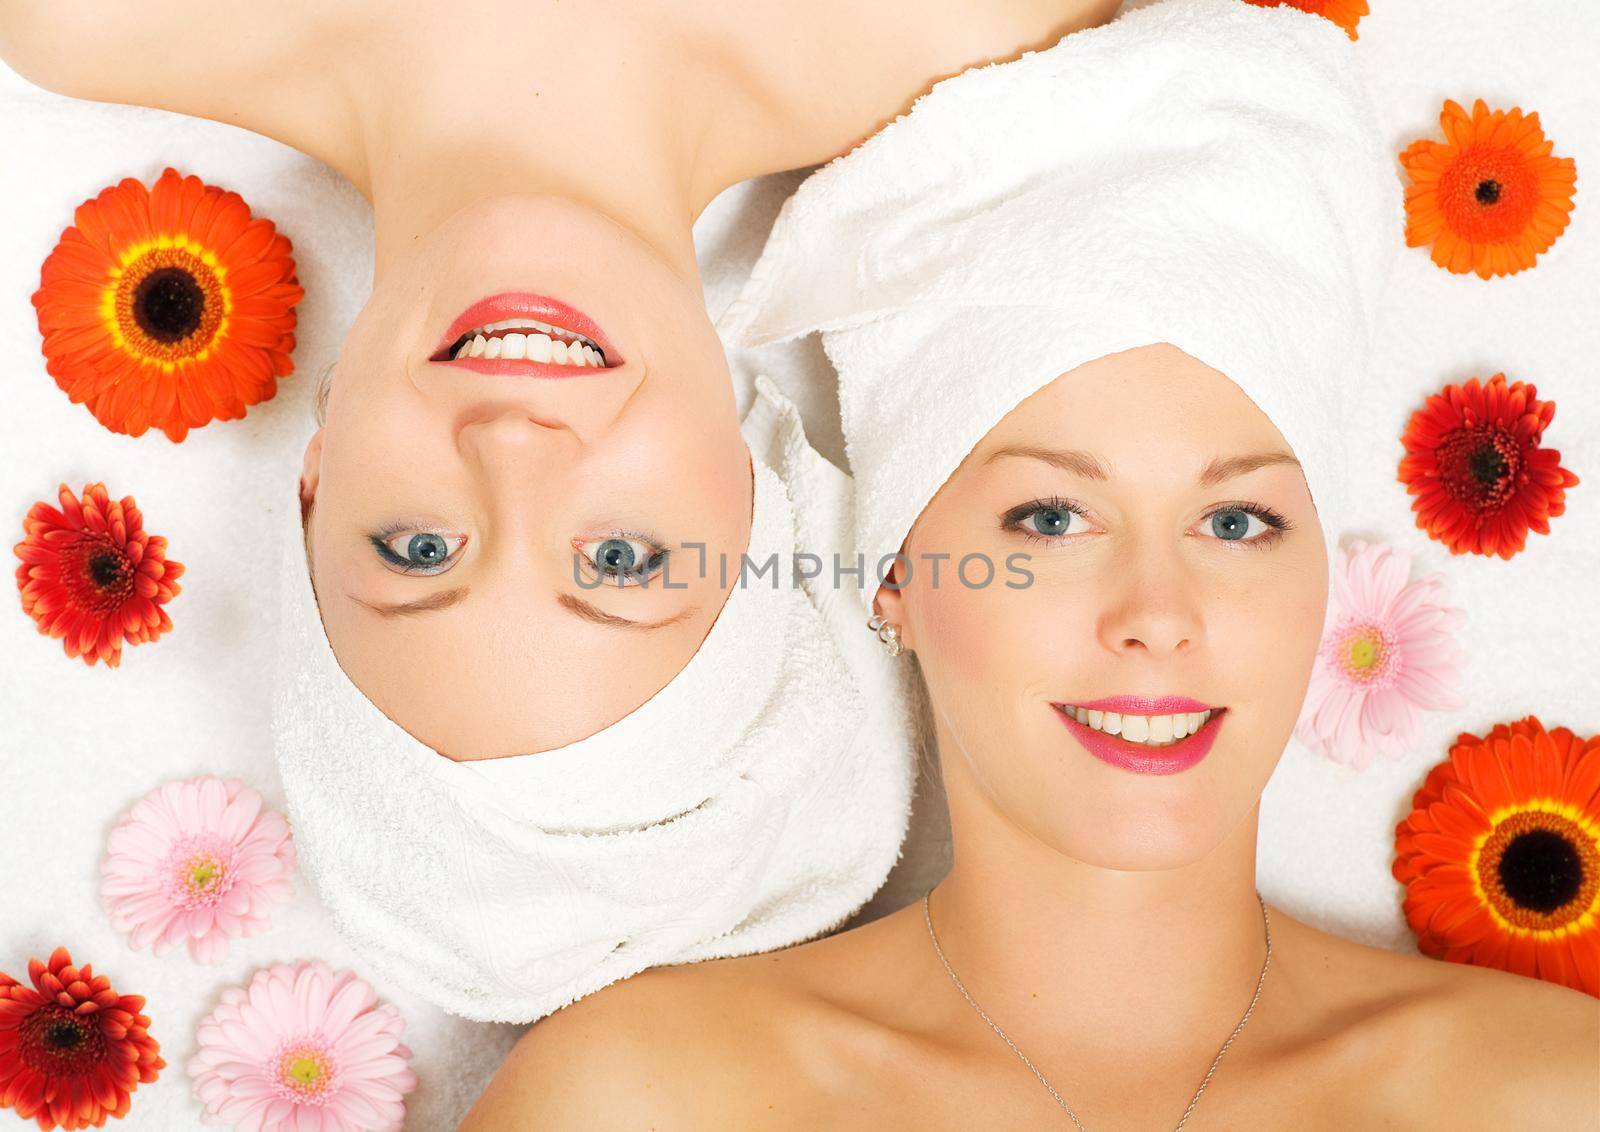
(311, 471)
(890, 598)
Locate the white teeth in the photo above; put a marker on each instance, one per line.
(536, 341)
(1149, 730)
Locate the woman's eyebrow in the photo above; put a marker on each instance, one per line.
(1222, 469)
(444, 599)
(1084, 464)
(580, 608)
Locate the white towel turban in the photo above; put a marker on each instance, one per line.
(755, 801)
(1201, 172)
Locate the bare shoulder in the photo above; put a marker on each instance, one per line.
(268, 68)
(1450, 1046)
(785, 1040)
(688, 1047)
(1526, 1051)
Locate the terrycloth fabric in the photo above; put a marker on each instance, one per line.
(755, 801)
(1200, 172)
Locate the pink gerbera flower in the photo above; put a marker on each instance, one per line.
(197, 862)
(303, 1049)
(1388, 654)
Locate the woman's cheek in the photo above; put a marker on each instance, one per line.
(1263, 640)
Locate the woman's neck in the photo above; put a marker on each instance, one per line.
(1069, 952)
(615, 141)
(414, 189)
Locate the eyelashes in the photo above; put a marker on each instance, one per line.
(1276, 524)
(630, 567)
(1224, 518)
(1012, 519)
(1074, 514)
(445, 548)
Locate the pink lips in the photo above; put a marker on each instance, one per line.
(1136, 757)
(522, 304)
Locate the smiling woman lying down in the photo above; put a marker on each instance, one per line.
(1179, 227)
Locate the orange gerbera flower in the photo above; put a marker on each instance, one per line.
(1346, 13)
(92, 577)
(1500, 855)
(168, 307)
(1474, 463)
(1489, 198)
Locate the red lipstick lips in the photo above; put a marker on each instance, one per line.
(523, 304)
(1139, 757)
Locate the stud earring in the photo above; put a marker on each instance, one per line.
(888, 633)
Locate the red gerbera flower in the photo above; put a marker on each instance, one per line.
(91, 576)
(1346, 13)
(1500, 855)
(168, 307)
(71, 1048)
(1474, 463)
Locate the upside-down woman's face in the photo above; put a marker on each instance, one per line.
(1127, 705)
(506, 498)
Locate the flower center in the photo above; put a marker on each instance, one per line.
(1540, 870)
(204, 870)
(1363, 654)
(1488, 194)
(107, 568)
(1366, 650)
(199, 871)
(58, 1043)
(169, 303)
(96, 573)
(1480, 466)
(305, 1072)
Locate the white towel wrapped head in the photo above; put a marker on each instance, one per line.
(1205, 173)
(755, 801)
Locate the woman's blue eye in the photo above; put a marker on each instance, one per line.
(623, 561)
(1239, 525)
(1044, 519)
(417, 552)
(1050, 521)
(427, 549)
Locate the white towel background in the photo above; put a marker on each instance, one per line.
(81, 745)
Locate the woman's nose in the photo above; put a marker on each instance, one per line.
(516, 441)
(1154, 607)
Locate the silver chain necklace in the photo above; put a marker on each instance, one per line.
(927, 915)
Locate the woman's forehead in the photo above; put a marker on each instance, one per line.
(1124, 410)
